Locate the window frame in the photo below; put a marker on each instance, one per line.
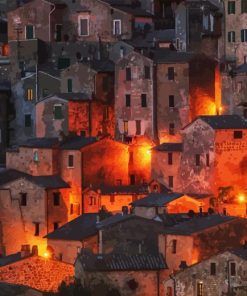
(147, 72)
(70, 161)
(238, 134)
(231, 37)
(29, 25)
(54, 108)
(79, 25)
(56, 198)
(231, 9)
(171, 99)
(171, 73)
(127, 100)
(23, 195)
(28, 119)
(114, 28)
(144, 101)
(213, 269)
(29, 94)
(170, 158)
(243, 35)
(243, 6)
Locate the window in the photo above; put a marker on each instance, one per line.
(106, 112)
(45, 92)
(171, 101)
(147, 72)
(122, 51)
(244, 35)
(132, 179)
(238, 134)
(171, 73)
(69, 85)
(239, 86)
(55, 225)
(117, 27)
(171, 129)
(197, 157)
(36, 228)
(138, 127)
(169, 291)
(207, 160)
(170, 181)
(231, 7)
(58, 32)
(174, 246)
(29, 94)
(233, 268)
(131, 159)
(144, 100)
(125, 126)
(83, 26)
(63, 63)
(29, 32)
(35, 156)
(92, 200)
(244, 6)
(231, 36)
(128, 73)
(23, 199)
(119, 182)
(56, 198)
(213, 268)
(57, 111)
(170, 158)
(112, 198)
(70, 161)
(28, 120)
(127, 100)
(71, 209)
(199, 289)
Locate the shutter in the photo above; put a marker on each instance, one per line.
(58, 112)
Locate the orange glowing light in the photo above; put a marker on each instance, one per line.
(46, 255)
(242, 198)
(148, 151)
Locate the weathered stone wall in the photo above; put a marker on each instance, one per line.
(161, 170)
(179, 88)
(38, 273)
(213, 285)
(68, 250)
(137, 86)
(23, 161)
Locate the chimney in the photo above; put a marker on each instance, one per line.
(25, 251)
(183, 265)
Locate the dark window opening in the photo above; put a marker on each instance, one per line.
(199, 289)
(171, 101)
(213, 268)
(132, 179)
(112, 198)
(238, 134)
(170, 181)
(144, 100)
(58, 32)
(36, 229)
(244, 6)
(71, 209)
(197, 159)
(29, 32)
(57, 111)
(138, 127)
(55, 225)
(92, 200)
(131, 159)
(171, 73)
(70, 85)
(127, 100)
(56, 198)
(147, 72)
(233, 269)
(28, 120)
(71, 161)
(231, 7)
(128, 74)
(170, 160)
(23, 199)
(207, 160)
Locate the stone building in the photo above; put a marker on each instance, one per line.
(39, 204)
(199, 238)
(134, 101)
(222, 274)
(73, 114)
(207, 161)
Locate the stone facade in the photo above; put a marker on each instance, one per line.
(198, 246)
(213, 282)
(39, 273)
(134, 103)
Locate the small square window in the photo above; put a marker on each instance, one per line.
(170, 158)
(28, 120)
(213, 268)
(238, 134)
(171, 101)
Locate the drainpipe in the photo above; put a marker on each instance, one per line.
(158, 283)
(47, 212)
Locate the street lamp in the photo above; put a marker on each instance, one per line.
(243, 199)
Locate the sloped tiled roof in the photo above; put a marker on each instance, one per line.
(225, 121)
(198, 224)
(76, 143)
(122, 189)
(156, 199)
(169, 147)
(240, 252)
(48, 182)
(40, 143)
(121, 262)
